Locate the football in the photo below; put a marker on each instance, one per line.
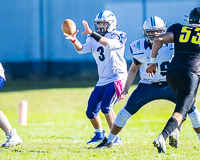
(68, 26)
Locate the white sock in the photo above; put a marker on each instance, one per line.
(195, 118)
(111, 137)
(99, 130)
(198, 135)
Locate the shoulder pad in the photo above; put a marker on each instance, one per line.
(138, 45)
(119, 35)
(89, 38)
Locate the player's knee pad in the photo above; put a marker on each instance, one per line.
(195, 118)
(122, 117)
(91, 114)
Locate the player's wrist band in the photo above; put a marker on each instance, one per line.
(73, 40)
(153, 60)
(96, 36)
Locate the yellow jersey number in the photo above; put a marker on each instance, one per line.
(186, 33)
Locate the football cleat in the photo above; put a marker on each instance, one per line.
(104, 144)
(159, 143)
(117, 141)
(98, 137)
(12, 139)
(174, 137)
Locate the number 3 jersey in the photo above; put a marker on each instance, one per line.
(141, 56)
(110, 58)
(187, 48)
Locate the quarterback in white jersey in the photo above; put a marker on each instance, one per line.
(12, 138)
(149, 88)
(107, 46)
(110, 58)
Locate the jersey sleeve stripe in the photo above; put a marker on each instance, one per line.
(138, 53)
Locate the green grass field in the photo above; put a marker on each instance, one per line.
(59, 129)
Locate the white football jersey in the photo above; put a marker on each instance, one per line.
(142, 53)
(110, 58)
(2, 71)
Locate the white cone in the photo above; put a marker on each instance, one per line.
(23, 112)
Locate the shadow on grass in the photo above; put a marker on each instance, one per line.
(20, 151)
(90, 147)
(20, 85)
(23, 151)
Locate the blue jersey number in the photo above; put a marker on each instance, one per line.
(163, 68)
(101, 51)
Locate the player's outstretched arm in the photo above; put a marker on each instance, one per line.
(157, 44)
(99, 39)
(72, 37)
(87, 28)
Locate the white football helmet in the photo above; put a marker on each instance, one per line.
(105, 16)
(153, 23)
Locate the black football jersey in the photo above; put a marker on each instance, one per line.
(187, 48)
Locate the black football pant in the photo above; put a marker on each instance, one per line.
(185, 85)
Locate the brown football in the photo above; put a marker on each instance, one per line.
(68, 26)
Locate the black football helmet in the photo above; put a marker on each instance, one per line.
(194, 16)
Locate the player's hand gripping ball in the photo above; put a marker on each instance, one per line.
(68, 26)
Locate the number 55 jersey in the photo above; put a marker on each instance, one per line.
(187, 48)
(141, 51)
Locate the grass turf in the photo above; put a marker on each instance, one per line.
(59, 129)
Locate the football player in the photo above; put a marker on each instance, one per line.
(107, 46)
(149, 88)
(183, 72)
(12, 138)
